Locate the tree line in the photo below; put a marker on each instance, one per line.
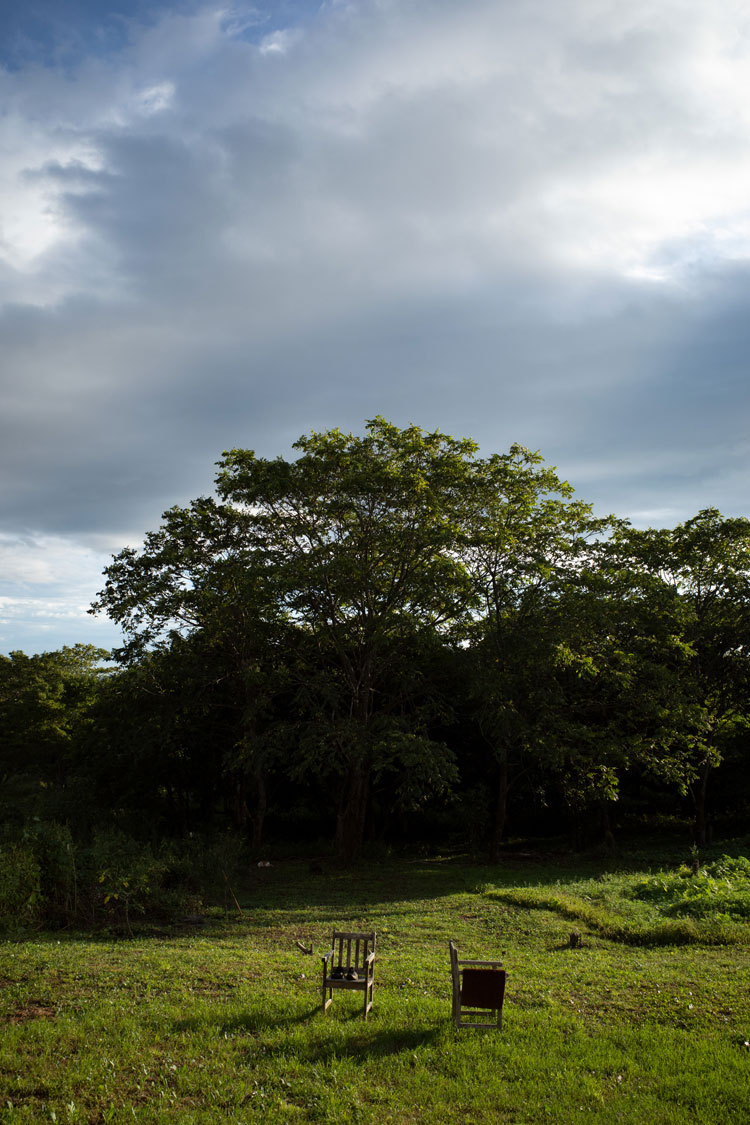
(393, 634)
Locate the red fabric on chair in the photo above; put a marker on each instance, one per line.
(483, 988)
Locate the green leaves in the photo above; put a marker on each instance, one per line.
(46, 707)
(306, 612)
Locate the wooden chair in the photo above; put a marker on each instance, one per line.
(478, 991)
(350, 964)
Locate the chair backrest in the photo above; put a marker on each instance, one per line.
(454, 969)
(351, 950)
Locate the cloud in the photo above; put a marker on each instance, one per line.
(226, 226)
(46, 586)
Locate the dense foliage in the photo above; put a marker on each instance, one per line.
(388, 637)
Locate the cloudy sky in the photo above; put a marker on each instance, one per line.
(222, 226)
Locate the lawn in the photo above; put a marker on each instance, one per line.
(647, 1020)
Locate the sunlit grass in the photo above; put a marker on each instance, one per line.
(223, 1023)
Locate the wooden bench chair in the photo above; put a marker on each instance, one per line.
(349, 964)
(478, 991)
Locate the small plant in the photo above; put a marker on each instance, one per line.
(126, 874)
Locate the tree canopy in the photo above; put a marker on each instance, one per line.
(390, 627)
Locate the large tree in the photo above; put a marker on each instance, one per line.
(361, 535)
(351, 550)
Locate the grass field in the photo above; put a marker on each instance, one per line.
(648, 1021)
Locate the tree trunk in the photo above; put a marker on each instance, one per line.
(237, 800)
(206, 799)
(352, 812)
(501, 809)
(698, 792)
(605, 826)
(259, 808)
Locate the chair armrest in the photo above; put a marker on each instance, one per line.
(327, 956)
(370, 958)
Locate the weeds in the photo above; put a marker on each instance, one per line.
(677, 907)
(20, 890)
(718, 891)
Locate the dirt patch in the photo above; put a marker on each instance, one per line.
(34, 1010)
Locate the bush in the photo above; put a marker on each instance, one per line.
(128, 879)
(120, 875)
(202, 864)
(45, 878)
(20, 891)
(54, 853)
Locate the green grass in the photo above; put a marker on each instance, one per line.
(639, 1024)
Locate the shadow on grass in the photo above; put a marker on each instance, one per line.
(363, 1040)
(251, 1022)
(377, 1044)
(289, 894)
(666, 932)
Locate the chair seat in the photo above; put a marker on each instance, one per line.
(338, 982)
(342, 972)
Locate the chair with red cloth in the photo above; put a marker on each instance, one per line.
(478, 991)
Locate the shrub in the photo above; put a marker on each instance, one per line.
(20, 892)
(122, 876)
(203, 864)
(46, 878)
(54, 852)
(128, 878)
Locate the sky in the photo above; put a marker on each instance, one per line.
(224, 226)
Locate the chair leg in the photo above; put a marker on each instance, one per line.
(327, 1003)
(456, 1008)
(368, 997)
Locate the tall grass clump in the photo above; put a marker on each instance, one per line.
(54, 852)
(20, 889)
(718, 891)
(705, 906)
